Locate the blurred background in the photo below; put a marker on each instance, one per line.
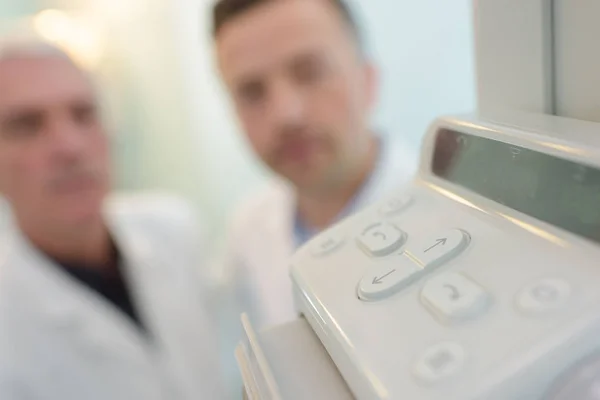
(171, 122)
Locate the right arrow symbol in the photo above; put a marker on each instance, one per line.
(379, 280)
(437, 243)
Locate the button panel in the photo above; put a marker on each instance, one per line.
(438, 249)
(453, 297)
(381, 239)
(543, 296)
(439, 362)
(384, 280)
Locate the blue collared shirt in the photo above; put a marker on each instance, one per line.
(302, 233)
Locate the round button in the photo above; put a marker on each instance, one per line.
(543, 296)
(439, 362)
(394, 205)
(326, 245)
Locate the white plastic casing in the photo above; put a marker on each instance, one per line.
(511, 348)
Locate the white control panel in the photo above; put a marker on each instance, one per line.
(479, 280)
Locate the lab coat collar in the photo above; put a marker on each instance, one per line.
(282, 221)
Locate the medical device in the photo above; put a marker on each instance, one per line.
(477, 281)
(480, 279)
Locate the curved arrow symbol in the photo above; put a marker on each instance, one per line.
(379, 280)
(437, 243)
(454, 293)
(381, 235)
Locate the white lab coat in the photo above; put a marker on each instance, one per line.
(61, 341)
(261, 239)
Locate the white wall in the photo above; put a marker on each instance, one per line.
(577, 59)
(11, 12)
(228, 168)
(425, 53)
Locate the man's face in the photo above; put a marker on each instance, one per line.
(301, 88)
(53, 151)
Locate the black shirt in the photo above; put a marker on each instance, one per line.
(109, 282)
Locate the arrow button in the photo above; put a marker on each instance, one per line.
(438, 249)
(384, 280)
(379, 280)
(439, 242)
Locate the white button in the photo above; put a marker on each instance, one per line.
(381, 239)
(384, 280)
(440, 361)
(326, 245)
(454, 297)
(438, 249)
(395, 205)
(544, 295)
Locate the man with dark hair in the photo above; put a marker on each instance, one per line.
(303, 89)
(224, 11)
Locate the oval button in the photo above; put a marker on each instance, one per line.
(326, 245)
(394, 205)
(385, 280)
(438, 249)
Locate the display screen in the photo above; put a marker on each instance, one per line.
(558, 191)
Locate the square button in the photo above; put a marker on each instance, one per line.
(381, 239)
(454, 297)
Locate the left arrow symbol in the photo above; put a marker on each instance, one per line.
(379, 280)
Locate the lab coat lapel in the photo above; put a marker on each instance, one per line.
(169, 306)
(151, 285)
(281, 244)
(280, 230)
(63, 307)
(141, 267)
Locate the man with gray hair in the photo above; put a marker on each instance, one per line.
(98, 296)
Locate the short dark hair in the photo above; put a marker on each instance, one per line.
(226, 10)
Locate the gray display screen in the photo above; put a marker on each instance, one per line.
(558, 191)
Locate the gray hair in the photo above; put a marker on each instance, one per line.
(37, 49)
(30, 48)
